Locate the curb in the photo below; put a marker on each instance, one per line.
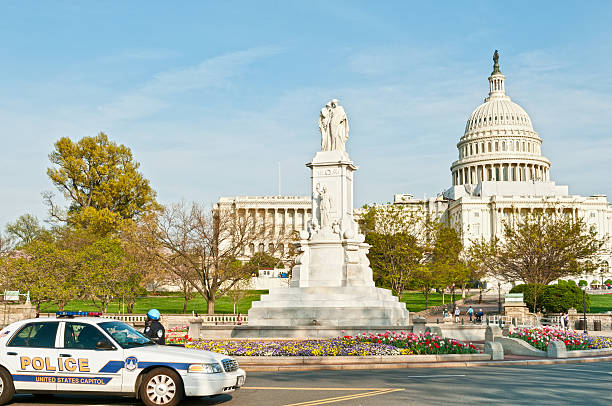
(409, 365)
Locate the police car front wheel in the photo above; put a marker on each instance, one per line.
(161, 386)
(7, 390)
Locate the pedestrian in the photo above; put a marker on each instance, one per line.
(239, 319)
(154, 329)
(565, 321)
(470, 313)
(445, 312)
(479, 315)
(457, 313)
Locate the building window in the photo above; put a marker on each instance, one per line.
(489, 147)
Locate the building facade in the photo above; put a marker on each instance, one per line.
(501, 175)
(272, 215)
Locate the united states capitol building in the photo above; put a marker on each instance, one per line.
(500, 174)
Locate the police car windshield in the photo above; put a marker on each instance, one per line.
(125, 335)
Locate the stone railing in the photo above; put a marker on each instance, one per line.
(220, 319)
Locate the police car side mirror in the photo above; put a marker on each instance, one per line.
(104, 345)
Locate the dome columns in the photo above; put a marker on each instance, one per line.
(500, 172)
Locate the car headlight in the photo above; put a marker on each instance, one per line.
(205, 368)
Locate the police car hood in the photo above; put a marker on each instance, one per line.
(174, 354)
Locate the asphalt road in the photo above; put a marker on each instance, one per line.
(563, 384)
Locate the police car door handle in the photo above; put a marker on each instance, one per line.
(11, 353)
(65, 355)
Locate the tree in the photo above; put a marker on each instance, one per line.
(24, 230)
(101, 181)
(207, 242)
(106, 272)
(481, 260)
(542, 247)
(398, 235)
(426, 278)
(446, 259)
(46, 270)
(394, 258)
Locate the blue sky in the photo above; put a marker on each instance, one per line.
(210, 96)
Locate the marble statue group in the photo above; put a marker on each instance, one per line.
(334, 128)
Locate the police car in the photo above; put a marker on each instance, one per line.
(90, 354)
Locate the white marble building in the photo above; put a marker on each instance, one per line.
(501, 172)
(273, 214)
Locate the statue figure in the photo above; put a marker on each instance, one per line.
(324, 127)
(339, 127)
(333, 126)
(495, 63)
(325, 206)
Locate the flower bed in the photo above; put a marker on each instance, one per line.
(598, 342)
(539, 337)
(300, 348)
(389, 343)
(420, 344)
(178, 329)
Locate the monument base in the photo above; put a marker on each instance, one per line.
(329, 306)
(206, 332)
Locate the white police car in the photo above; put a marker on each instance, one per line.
(96, 355)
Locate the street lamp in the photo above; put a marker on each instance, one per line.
(499, 306)
(584, 320)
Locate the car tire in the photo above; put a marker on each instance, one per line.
(7, 389)
(161, 387)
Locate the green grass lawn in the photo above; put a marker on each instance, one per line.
(169, 303)
(172, 303)
(415, 301)
(600, 303)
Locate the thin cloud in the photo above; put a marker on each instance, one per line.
(215, 72)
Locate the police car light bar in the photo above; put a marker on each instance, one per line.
(73, 314)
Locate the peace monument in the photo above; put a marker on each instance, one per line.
(331, 283)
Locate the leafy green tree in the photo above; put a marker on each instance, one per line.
(542, 247)
(101, 181)
(106, 272)
(399, 235)
(46, 270)
(261, 260)
(446, 259)
(426, 278)
(394, 258)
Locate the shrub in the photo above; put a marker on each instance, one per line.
(582, 282)
(554, 298)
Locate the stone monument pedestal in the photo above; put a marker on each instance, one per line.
(331, 283)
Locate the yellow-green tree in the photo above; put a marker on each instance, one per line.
(101, 181)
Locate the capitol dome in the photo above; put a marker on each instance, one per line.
(499, 143)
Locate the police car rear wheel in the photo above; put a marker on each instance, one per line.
(7, 390)
(161, 387)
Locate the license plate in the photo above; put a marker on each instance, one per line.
(240, 381)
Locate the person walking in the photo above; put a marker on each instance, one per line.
(470, 313)
(457, 313)
(154, 329)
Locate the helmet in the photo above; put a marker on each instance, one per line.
(154, 314)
